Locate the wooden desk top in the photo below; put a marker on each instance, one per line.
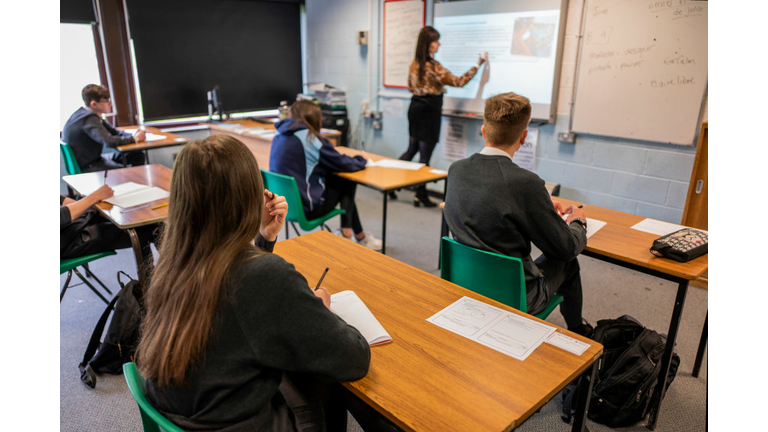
(388, 178)
(151, 175)
(170, 140)
(618, 240)
(248, 123)
(429, 379)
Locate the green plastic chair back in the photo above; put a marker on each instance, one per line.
(66, 265)
(286, 186)
(70, 163)
(152, 420)
(493, 275)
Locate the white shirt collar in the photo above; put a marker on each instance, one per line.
(491, 151)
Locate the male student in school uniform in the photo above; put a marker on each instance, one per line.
(87, 133)
(494, 205)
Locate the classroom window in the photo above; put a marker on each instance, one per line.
(79, 66)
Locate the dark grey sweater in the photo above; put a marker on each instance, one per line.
(88, 134)
(494, 205)
(268, 322)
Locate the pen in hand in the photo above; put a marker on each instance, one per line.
(321, 279)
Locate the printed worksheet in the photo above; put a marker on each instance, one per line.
(593, 225)
(506, 332)
(658, 227)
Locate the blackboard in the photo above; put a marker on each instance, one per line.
(642, 71)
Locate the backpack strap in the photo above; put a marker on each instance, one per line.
(86, 373)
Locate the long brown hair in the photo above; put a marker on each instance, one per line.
(214, 214)
(427, 35)
(308, 113)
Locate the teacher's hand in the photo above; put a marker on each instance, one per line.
(483, 58)
(273, 219)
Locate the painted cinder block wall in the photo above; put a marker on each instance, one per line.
(643, 178)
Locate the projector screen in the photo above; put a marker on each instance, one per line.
(524, 41)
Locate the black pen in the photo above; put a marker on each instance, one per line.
(105, 176)
(581, 206)
(321, 279)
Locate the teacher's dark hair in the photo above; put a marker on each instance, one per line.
(427, 35)
(214, 214)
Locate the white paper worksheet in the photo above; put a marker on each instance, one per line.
(132, 194)
(658, 227)
(149, 136)
(506, 332)
(593, 225)
(392, 163)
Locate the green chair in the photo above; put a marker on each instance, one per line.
(70, 163)
(286, 186)
(70, 265)
(493, 275)
(152, 420)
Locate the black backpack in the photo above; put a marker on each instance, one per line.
(627, 373)
(119, 345)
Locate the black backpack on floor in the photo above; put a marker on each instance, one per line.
(119, 344)
(627, 373)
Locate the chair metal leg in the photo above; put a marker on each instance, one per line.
(101, 283)
(87, 270)
(298, 234)
(66, 285)
(93, 288)
(287, 230)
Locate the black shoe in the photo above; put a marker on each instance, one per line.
(423, 200)
(392, 195)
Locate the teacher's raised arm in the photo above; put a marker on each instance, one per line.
(427, 79)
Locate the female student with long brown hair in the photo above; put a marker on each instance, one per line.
(427, 79)
(234, 338)
(299, 151)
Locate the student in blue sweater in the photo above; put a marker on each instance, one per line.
(300, 152)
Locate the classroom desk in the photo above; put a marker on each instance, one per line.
(387, 179)
(169, 140)
(258, 145)
(152, 175)
(429, 379)
(619, 244)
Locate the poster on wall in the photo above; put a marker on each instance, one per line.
(454, 138)
(403, 20)
(525, 157)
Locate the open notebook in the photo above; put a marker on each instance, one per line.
(348, 306)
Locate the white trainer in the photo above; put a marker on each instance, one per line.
(370, 241)
(341, 234)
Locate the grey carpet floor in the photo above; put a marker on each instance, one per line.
(412, 237)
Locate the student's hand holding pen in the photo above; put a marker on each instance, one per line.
(574, 212)
(322, 292)
(273, 219)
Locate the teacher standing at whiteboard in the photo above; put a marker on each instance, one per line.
(427, 79)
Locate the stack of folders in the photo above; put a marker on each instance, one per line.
(348, 306)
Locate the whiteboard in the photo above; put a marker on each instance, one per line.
(642, 70)
(403, 20)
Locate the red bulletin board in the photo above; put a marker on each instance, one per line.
(402, 21)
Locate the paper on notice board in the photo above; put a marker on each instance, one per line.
(454, 138)
(506, 332)
(525, 157)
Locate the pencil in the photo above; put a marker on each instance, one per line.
(159, 206)
(321, 279)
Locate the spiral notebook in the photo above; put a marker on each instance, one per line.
(348, 306)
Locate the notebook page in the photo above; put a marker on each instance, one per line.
(348, 306)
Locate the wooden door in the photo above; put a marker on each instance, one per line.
(696, 204)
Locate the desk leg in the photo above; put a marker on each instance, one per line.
(384, 226)
(443, 225)
(146, 157)
(140, 268)
(702, 347)
(583, 397)
(666, 360)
